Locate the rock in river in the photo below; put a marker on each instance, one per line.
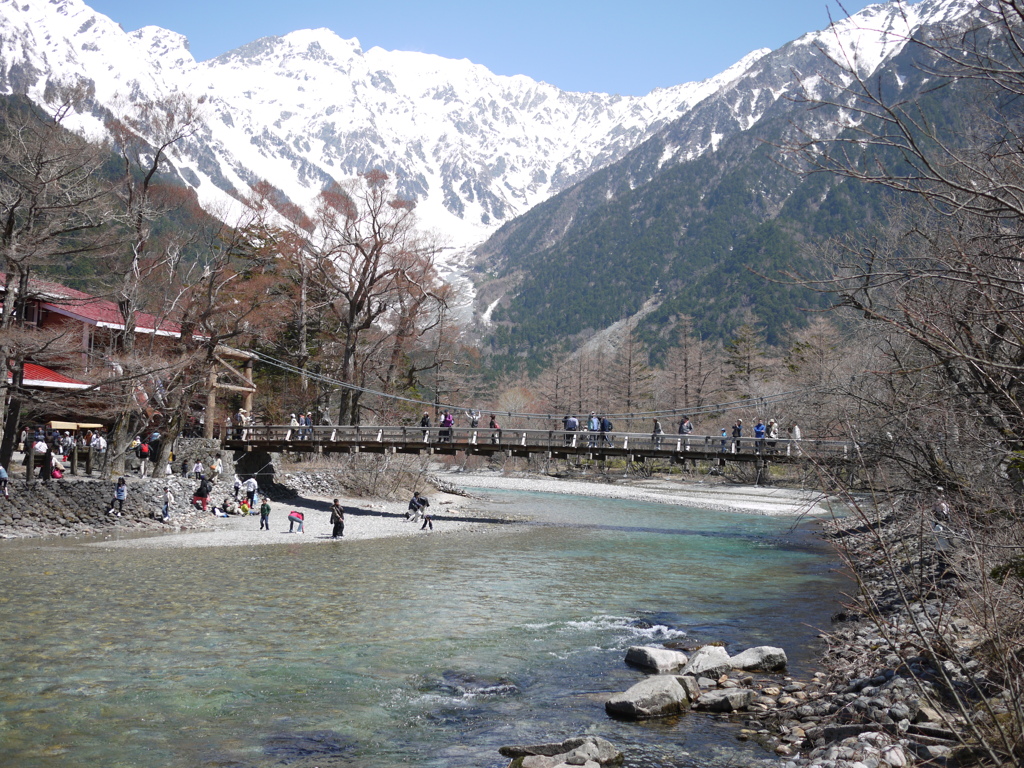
(655, 696)
(656, 658)
(763, 657)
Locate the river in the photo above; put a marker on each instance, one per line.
(431, 650)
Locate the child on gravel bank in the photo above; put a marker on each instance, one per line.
(265, 514)
(120, 496)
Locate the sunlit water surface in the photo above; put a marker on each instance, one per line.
(432, 650)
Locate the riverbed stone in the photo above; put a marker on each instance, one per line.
(725, 700)
(765, 658)
(579, 750)
(655, 696)
(654, 657)
(690, 685)
(709, 661)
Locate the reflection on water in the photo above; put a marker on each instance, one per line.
(432, 650)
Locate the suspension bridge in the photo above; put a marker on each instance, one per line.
(546, 443)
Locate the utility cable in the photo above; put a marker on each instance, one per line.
(733, 405)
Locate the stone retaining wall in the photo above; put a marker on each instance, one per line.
(80, 505)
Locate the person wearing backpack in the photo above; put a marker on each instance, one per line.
(606, 427)
(143, 452)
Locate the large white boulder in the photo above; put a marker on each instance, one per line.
(656, 658)
(709, 661)
(764, 657)
(655, 696)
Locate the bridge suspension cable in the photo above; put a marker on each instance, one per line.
(733, 405)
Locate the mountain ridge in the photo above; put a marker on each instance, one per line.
(473, 148)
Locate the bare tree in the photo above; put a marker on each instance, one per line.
(376, 271)
(52, 208)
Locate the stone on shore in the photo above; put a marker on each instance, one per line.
(725, 700)
(653, 657)
(655, 696)
(580, 750)
(764, 658)
(709, 661)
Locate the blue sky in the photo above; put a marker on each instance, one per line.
(613, 47)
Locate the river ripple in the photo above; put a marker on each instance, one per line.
(428, 650)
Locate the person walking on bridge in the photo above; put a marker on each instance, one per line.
(593, 427)
(606, 427)
(572, 425)
(658, 434)
(737, 435)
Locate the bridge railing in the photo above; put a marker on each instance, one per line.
(536, 439)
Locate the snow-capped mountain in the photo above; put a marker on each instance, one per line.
(690, 222)
(474, 149)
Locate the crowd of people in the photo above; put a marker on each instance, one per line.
(51, 450)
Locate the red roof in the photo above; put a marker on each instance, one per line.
(95, 311)
(44, 378)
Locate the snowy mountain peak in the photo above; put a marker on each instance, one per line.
(165, 50)
(474, 149)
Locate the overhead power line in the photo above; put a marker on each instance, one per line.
(733, 405)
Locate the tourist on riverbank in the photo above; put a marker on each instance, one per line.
(202, 493)
(265, 514)
(416, 506)
(251, 487)
(428, 522)
(4, 480)
(296, 517)
(337, 520)
(143, 453)
(197, 470)
(168, 503)
(120, 496)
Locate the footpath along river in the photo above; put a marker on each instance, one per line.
(427, 650)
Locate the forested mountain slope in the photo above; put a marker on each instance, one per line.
(699, 233)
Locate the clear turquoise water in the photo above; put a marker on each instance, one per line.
(431, 650)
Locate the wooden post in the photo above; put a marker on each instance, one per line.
(74, 460)
(30, 463)
(211, 406)
(88, 460)
(247, 399)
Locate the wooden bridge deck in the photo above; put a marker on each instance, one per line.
(526, 442)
